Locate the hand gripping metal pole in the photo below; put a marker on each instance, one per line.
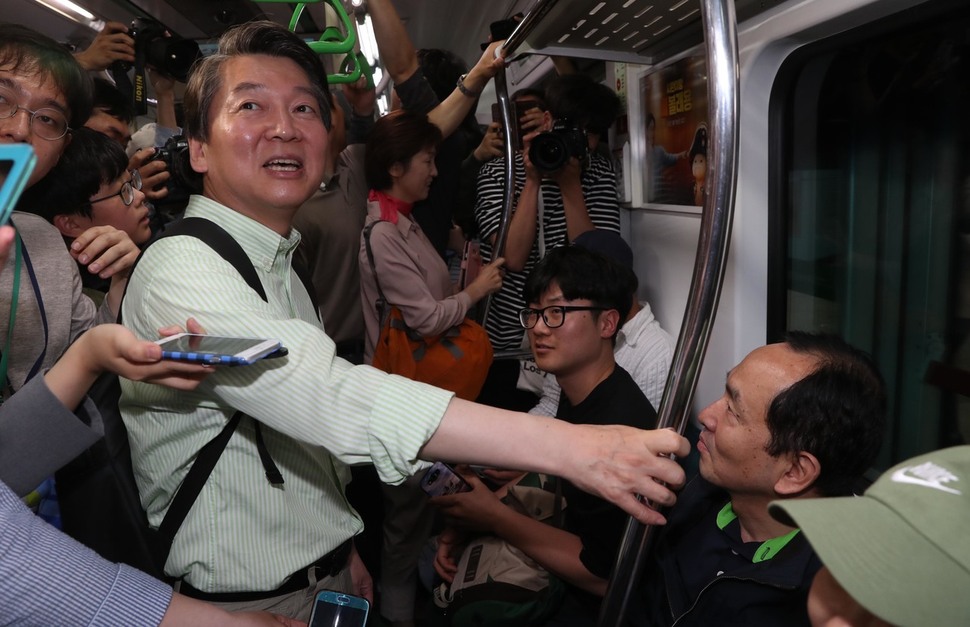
(720, 35)
(528, 23)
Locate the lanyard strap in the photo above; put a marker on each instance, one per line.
(15, 297)
(43, 313)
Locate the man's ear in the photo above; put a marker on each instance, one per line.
(609, 322)
(197, 156)
(71, 224)
(800, 476)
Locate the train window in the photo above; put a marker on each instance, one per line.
(870, 224)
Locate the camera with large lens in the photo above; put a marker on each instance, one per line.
(552, 150)
(184, 180)
(172, 56)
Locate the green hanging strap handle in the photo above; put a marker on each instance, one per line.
(333, 41)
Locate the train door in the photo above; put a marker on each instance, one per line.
(870, 211)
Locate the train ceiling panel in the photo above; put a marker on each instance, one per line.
(636, 31)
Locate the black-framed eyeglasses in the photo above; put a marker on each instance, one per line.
(46, 122)
(554, 315)
(127, 191)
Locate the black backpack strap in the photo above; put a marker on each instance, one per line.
(220, 241)
(216, 238)
(192, 485)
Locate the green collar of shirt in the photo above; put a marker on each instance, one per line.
(769, 548)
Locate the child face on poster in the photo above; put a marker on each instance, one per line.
(698, 167)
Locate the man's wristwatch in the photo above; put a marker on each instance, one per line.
(461, 87)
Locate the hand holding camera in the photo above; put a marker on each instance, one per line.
(110, 45)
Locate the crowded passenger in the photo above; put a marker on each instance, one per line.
(400, 167)
(576, 303)
(113, 113)
(551, 209)
(94, 188)
(331, 221)
(528, 107)
(400, 267)
(799, 419)
(257, 119)
(642, 347)
(43, 94)
(898, 555)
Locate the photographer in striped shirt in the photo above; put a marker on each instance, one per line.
(563, 187)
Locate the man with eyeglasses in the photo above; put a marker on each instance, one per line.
(44, 94)
(575, 299)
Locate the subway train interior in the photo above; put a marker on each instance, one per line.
(851, 211)
(832, 190)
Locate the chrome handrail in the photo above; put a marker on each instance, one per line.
(721, 42)
(516, 39)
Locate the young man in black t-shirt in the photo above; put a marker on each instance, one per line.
(576, 303)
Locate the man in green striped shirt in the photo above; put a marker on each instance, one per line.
(257, 121)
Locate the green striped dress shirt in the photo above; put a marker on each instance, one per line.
(323, 413)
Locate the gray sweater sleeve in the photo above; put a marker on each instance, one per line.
(38, 435)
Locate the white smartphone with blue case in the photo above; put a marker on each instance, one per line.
(215, 350)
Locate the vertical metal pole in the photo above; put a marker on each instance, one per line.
(529, 22)
(721, 41)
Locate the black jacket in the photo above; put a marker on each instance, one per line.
(772, 592)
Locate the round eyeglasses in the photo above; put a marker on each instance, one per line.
(127, 191)
(46, 123)
(554, 315)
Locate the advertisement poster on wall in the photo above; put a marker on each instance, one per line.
(675, 120)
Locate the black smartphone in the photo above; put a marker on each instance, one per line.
(336, 609)
(441, 480)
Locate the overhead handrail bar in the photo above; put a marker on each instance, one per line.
(516, 39)
(721, 43)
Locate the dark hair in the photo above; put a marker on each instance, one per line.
(581, 273)
(260, 37)
(89, 161)
(396, 138)
(579, 98)
(27, 51)
(114, 103)
(699, 145)
(529, 93)
(441, 68)
(837, 413)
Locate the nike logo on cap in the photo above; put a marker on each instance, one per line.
(928, 475)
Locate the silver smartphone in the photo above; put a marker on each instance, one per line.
(336, 609)
(216, 350)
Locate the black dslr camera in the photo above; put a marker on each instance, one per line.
(173, 55)
(184, 180)
(552, 150)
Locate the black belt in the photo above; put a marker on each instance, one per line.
(327, 566)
